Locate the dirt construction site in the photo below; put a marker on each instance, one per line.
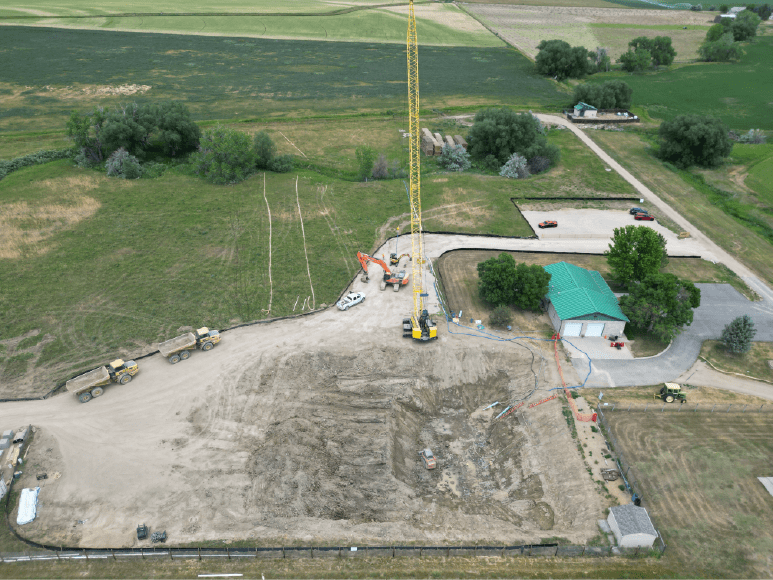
(308, 431)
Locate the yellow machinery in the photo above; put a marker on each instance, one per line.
(418, 326)
(90, 384)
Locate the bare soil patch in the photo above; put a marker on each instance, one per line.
(24, 228)
(316, 445)
(526, 26)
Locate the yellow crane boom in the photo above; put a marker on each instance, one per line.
(421, 327)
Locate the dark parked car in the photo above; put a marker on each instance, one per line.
(635, 210)
(548, 224)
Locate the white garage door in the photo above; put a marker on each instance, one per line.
(572, 328)
(595, 329)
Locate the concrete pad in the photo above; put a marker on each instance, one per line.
(601, 224)
(595, 348)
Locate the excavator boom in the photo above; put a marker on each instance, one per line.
(397, 279)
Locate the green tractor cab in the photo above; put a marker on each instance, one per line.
(671, 392)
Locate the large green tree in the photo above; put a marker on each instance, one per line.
(225, 156)
(614, 94)
(498, 133)
(661, 304)
(694, 140)
(532, 283)
(724, 49)
(177, 132)
(135, 128)
(744, 26)
(496, 279)
(635, 253)
(635, 60)
(503, 282)
(661, 51)
(556, 58)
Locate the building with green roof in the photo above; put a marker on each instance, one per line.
(580, 303)
(584, 110)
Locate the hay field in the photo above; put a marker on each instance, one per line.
(526, 26)
(698, 472)
(437, 24)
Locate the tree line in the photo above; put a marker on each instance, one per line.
(132, 140)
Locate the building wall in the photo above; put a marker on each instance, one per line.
(630, 540)
(611, 327)
(590, 113)
(615, 528)
(554, 319)
(637, 541)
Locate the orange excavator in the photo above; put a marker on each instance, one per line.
(396, 279)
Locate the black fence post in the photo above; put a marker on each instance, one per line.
(113, 553)
(142, 553)
(86, 554)
(199, 550)
(227, 552)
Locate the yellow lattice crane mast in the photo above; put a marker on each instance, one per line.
(418, 326)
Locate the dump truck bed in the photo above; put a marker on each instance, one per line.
(176, 344)
(87, 380)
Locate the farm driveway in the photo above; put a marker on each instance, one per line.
(720, 304)
(711, 251)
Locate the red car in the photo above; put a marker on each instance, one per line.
(548, 224)
(644, 216)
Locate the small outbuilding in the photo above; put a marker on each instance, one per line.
(584, 110)
(632, 526)
(580, 303)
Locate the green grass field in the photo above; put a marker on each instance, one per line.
(760, 179)
(106, 267)
(738, 93)
(47, 73)
(437, 24)
(686, 193)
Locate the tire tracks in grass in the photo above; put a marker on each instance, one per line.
(332, 224)
(270, 233)
(305, 251)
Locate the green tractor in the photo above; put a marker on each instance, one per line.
(671, 392)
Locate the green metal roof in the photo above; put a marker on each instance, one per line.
(576, 292)
(584, 106)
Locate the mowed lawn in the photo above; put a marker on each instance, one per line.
(437, 24)
(45, 74)
(698, 473)
(738, 93)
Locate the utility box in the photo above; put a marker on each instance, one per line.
(8, 435)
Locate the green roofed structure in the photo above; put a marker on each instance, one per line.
(580, 303)
(584, 110)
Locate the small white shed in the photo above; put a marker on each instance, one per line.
(632, 526)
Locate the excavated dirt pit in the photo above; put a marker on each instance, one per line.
(322, 447)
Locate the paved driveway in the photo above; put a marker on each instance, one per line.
(720, 304)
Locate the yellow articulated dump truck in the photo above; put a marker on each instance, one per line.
(180, 347)
(91, 384)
